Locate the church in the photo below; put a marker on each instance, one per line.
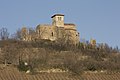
(58, 30)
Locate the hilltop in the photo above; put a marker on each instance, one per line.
(56, 53)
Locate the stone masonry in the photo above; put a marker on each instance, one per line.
(58, 30)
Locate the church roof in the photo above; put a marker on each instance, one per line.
(69, 24)
(57, 15)
(70, 29)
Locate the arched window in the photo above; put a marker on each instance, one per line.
(52, 33)
(59, 18)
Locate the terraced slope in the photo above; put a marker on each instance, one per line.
(102, 76)
(10, 73)
(13, 74)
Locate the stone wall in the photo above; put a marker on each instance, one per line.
(46, 32)
(73, 36)
(70, 26)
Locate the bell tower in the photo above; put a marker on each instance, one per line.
(58, 20)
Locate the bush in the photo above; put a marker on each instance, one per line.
(23, 67)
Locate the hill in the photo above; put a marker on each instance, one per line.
(45, 55)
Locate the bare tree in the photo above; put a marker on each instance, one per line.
(10, 51)
(24, 33)
(4, 34)
(32, 33)
(18, 34)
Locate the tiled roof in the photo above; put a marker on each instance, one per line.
(57, 15)
(69, 24)
(71, 29)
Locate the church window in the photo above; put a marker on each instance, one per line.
(59, 18)
(77, 34)
(52, 33)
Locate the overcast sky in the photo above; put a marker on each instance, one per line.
(98, 19)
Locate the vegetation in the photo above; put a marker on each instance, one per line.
(45, 54)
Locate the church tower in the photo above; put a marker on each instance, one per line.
(58, 20)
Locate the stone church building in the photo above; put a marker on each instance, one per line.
(58, 30)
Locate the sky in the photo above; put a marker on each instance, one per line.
(97, 19)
